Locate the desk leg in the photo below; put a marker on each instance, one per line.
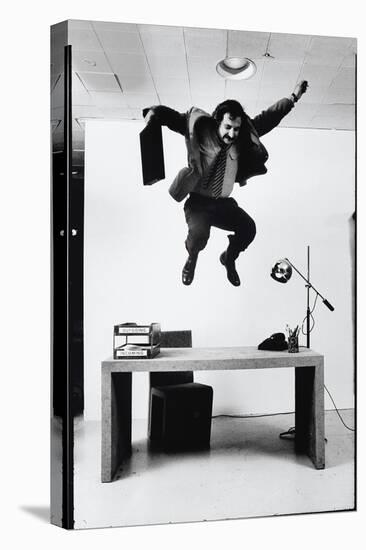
(116, 421)
(309, 413)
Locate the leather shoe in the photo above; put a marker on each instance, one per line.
(231, 272)
(188, 270)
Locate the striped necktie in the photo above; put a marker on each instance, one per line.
(215, 178)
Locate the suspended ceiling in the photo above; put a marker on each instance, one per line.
(118, 69)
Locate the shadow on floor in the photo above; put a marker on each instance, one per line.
(144, 458)
(229, 436)
(40, 512)
(245, 437)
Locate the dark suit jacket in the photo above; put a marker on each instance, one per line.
(193, 124)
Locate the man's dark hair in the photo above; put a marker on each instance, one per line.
(228, 106)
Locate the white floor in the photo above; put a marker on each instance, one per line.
(249, 471)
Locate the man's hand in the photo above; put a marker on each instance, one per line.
(300, 89)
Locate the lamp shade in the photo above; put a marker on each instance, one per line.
(281, 271)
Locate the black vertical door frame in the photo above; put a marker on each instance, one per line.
(68, 421)
(67, 379)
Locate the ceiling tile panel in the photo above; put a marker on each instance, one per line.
(180, 102)
(136, 84)
(340, 95)
(330, 45)
(201, 68)
(335, 124)
(335, 116)
(314, 94)
(172, 85)
(125, 42)
(57, 66)
(135, 114)
(210, 43)
(77, 84)
(288, 47)
(346, 119)
(206, 101)
(171, 66)
(159, 42)
(345, 78)
(136, 101)
(159, 29)
(79, 24)
(353, 44)
(271, 94)
(82, 98)
(86, 111)
(99, 82)
(276, 73)
(349, 61)
(54, 78)
(111, 26)
(300, 115)
(261, 106)
(330, 110)
(90, 61)
(247, 44)
(57, 94)
(81, 39)
(329, 50)
(109, 99)
(111, 113)
(318, 75)
(124, 113)
(129, 64)
(208, 86)
(242, 90)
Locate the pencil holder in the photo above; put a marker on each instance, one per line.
(293, 343)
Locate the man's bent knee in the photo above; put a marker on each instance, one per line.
(244, 236)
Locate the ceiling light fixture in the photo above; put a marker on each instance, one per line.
(267, 53)
(236, 68)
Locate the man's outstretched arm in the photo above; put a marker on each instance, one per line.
(271, 117)
(165, 116)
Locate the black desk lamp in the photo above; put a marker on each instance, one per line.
(282, 272)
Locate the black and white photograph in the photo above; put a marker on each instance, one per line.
(204, 264)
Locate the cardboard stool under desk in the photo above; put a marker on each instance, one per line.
(117, 386)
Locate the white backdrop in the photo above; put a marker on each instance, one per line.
(134, 253)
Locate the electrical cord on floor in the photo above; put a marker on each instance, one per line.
(247, 415)
(335, 406)
(290, 433)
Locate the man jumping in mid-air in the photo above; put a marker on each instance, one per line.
(222, 149)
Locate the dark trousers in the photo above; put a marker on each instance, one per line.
(204, 212)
